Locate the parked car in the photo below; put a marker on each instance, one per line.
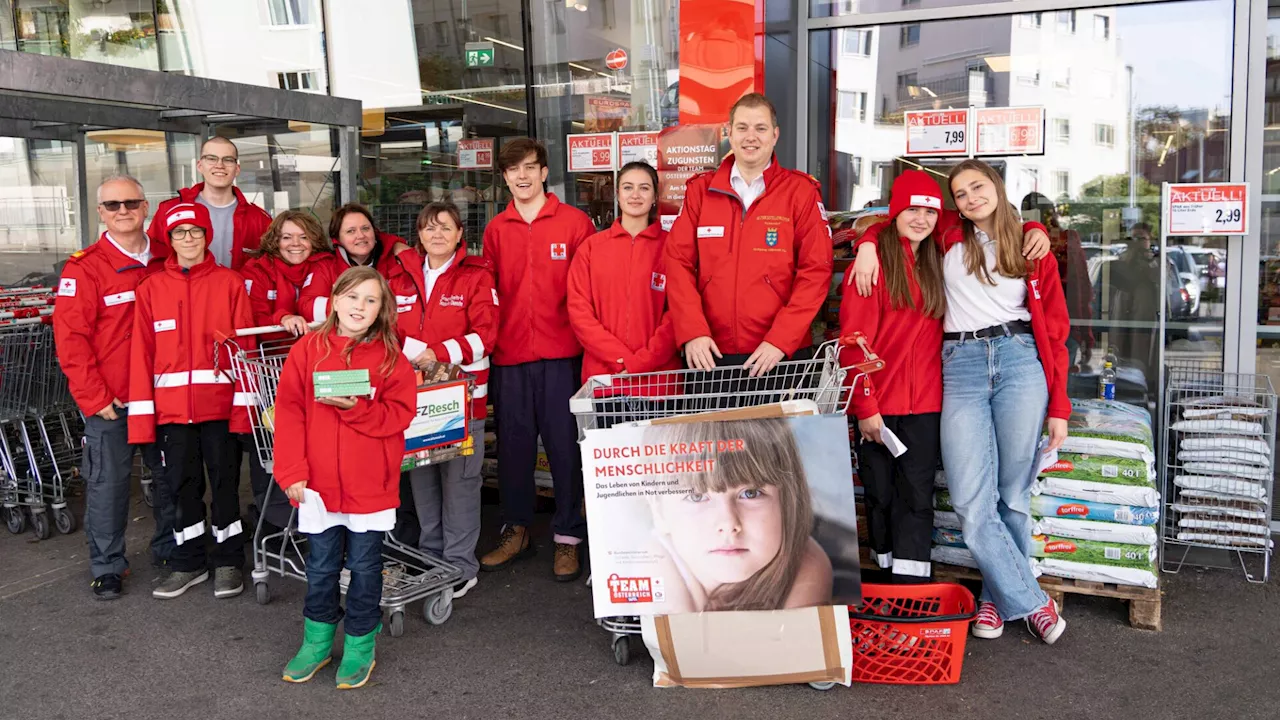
(1184, 262)
(1177, 298)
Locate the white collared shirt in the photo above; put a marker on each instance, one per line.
(747, 192)
(971, 303)
(430, 276)
(141, 258)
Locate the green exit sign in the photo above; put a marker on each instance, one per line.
(479, 54)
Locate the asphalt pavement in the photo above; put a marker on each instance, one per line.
(522, 646)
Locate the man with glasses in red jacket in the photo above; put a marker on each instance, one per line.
(92, 326)
(238, 225)
(749, 257)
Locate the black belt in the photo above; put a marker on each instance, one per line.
(1013, 328)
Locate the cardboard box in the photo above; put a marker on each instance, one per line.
(340, 377)
(343, 390)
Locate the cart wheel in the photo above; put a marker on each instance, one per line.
(263, 592)
(15, 520)
(438, 608)
(397, 624)
(148, 495)
(65, 521)
(40, 525)
(824, 686)
(622, 650)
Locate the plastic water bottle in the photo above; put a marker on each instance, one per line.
(1107, 383)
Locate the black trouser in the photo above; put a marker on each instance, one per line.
(532, 400)
(190, 450)
(900, 494)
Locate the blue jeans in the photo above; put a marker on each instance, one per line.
(363, 554)
(994, 399)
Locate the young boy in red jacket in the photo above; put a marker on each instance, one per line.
(537, 360)
(184, 398)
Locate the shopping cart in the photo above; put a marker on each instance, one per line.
(608, 400)
(407, 574)
(41, 430)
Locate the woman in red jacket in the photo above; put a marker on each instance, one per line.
(293, 250)
(902, 321)
(448, 312)
(344, 454)
(359, 243)
(617, 286)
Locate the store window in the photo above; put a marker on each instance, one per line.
(1166, 119)
(1268, 357)
(122, 32)
(837, 8)
(39, 209)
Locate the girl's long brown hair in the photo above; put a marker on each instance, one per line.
(1007, 230)
(928, 272)
(383, 328)
(771, 458)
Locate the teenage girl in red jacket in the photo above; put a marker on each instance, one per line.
(618, 283)
(902, 321)
(346, 453)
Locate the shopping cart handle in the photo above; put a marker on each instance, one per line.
(264, 330)
(872, 363)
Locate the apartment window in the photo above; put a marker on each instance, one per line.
(880, 174)
(442, 33)
(1067, 21)
(910, 35)
(1104, 135)
(1061, 182)
(856, 42)
(906, 80)
(1101, 27)
(909, 3)
(1062, 78)
(305, 80)
(1031, 79)
(289, 12)
(852, 106)
(1031, 20)
(1062, 130)
(857, 170)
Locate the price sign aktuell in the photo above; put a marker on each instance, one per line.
(937, 132)
(475, 154)
(1009, 131)
(638, 147)
(593, 152)
(1207, 209)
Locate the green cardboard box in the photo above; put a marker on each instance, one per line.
(340, 377)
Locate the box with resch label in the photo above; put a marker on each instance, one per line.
(342, 383)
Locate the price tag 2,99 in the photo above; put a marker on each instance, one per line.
(1208, 209)
(937, 132)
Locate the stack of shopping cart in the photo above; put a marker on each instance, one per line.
(40, 426)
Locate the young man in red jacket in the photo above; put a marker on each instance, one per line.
(749, 257)
(92, 322)
(537, 359)
(238, 224)
(182, 395)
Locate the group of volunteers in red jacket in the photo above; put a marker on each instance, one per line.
(146, 325)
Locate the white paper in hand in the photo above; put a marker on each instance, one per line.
(891, 442)
(1047, 457)
(312, 516)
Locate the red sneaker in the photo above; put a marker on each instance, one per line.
(989, 626)
(1046, 623)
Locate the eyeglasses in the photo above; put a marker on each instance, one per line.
(215, 160)
(114, 205)
(182, 233)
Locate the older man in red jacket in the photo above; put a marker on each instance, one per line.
(749, 257)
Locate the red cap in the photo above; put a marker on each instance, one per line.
(914, 188)
(189, 214)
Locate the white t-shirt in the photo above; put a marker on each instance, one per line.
(141, 258)
(972, 304)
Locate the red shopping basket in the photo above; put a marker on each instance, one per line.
(911, 634)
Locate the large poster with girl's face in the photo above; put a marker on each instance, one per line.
(729, 515)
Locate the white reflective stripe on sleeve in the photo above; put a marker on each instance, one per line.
(209, 377)
(481, 391)
(477, 366)
(245, 399)
(142, 407)
(912, 568)
(320, 309)
(455, 351)
(884, 561)
(223, 534)
(477, 345)
(189, 533)
(413, 347)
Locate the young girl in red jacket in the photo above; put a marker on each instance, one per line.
(618, 286)
(902, 321)
(345, 452)
(182, 396)
(447, 311)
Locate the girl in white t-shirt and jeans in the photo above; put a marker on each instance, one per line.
(1004, 367)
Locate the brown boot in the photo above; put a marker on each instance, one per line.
(513, 545)
(567, 565)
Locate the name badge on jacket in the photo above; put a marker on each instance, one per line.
(710, 231)
(559, 251)
(658, 282)
(162, 325)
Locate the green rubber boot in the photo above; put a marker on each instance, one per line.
(357, 660)
(317, 644)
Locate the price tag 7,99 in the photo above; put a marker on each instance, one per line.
(1208, 209)
(937, 132)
